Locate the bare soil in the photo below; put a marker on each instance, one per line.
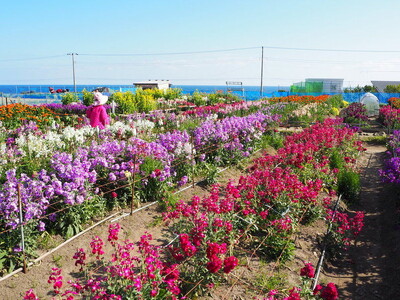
(369, 270)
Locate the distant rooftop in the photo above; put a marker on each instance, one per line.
(151, 84)
(381, 85)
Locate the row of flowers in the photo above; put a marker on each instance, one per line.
(389, 116)
(263, 211)
(71, 179)
(391, 171)
(306, 99)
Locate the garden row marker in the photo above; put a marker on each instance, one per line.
(21, 221)
(321, 258)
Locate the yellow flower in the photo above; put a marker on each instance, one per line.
(334, 111)
(345, 103)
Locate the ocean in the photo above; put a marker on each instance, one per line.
(42, 91)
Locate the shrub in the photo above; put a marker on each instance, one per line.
(336, 160)
(125, 102)
(394, 102)
(349, 185)
(145, 102)
(88, 98)
(198, 98)
(354, 113)
(173, 93)
(69, 98)
(335, 101)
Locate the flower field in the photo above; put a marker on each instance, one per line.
(57, 177)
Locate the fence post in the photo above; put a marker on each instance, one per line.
(133, 185)
(192, 162)
(21, 219)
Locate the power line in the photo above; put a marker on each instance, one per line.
(211, 51)
(333, 50)
(171, 53)
(31, 58)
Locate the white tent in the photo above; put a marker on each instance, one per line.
(371, 102)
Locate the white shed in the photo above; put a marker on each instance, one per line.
(371, 102)
(153, 84)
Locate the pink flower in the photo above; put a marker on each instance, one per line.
(56, 278)
(80, 257)
(30, 295)
(113, 231)
(97, 246)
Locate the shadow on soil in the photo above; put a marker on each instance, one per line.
(371, 269)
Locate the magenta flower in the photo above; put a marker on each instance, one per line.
(80, 257)
(230, 263)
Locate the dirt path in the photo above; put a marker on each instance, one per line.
(371, 270)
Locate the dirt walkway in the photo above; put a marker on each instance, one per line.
(371, 270)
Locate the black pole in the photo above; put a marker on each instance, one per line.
(262, 71)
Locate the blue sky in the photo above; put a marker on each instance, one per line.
(108, 36)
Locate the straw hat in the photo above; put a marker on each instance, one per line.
(100, 99)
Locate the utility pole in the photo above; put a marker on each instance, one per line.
(73, 68)
(262, 71)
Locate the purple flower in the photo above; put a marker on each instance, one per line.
(41, 226)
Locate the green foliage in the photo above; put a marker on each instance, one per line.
(125, 101)
(10, 257)
(141, 101)
(349, 185)
(71, 221)
(336, 160)
(174, 93)
(145, 101)
(276, 245)
(69, 98)
(267, 283)
(88, 98)
(169, 200)
(392, 89)
(360, 89)
(198, 98)
(189, 125)
(274, 139)
(370, 89)
(335, 101)
(376, 140)
(150, 187)
(208, 171)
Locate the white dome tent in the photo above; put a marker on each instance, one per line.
(371, 102)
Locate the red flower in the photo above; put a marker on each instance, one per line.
(114, 194)
(330, 292)
(307, 271)
(317, 289)
(214, 265)
(230, 263)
